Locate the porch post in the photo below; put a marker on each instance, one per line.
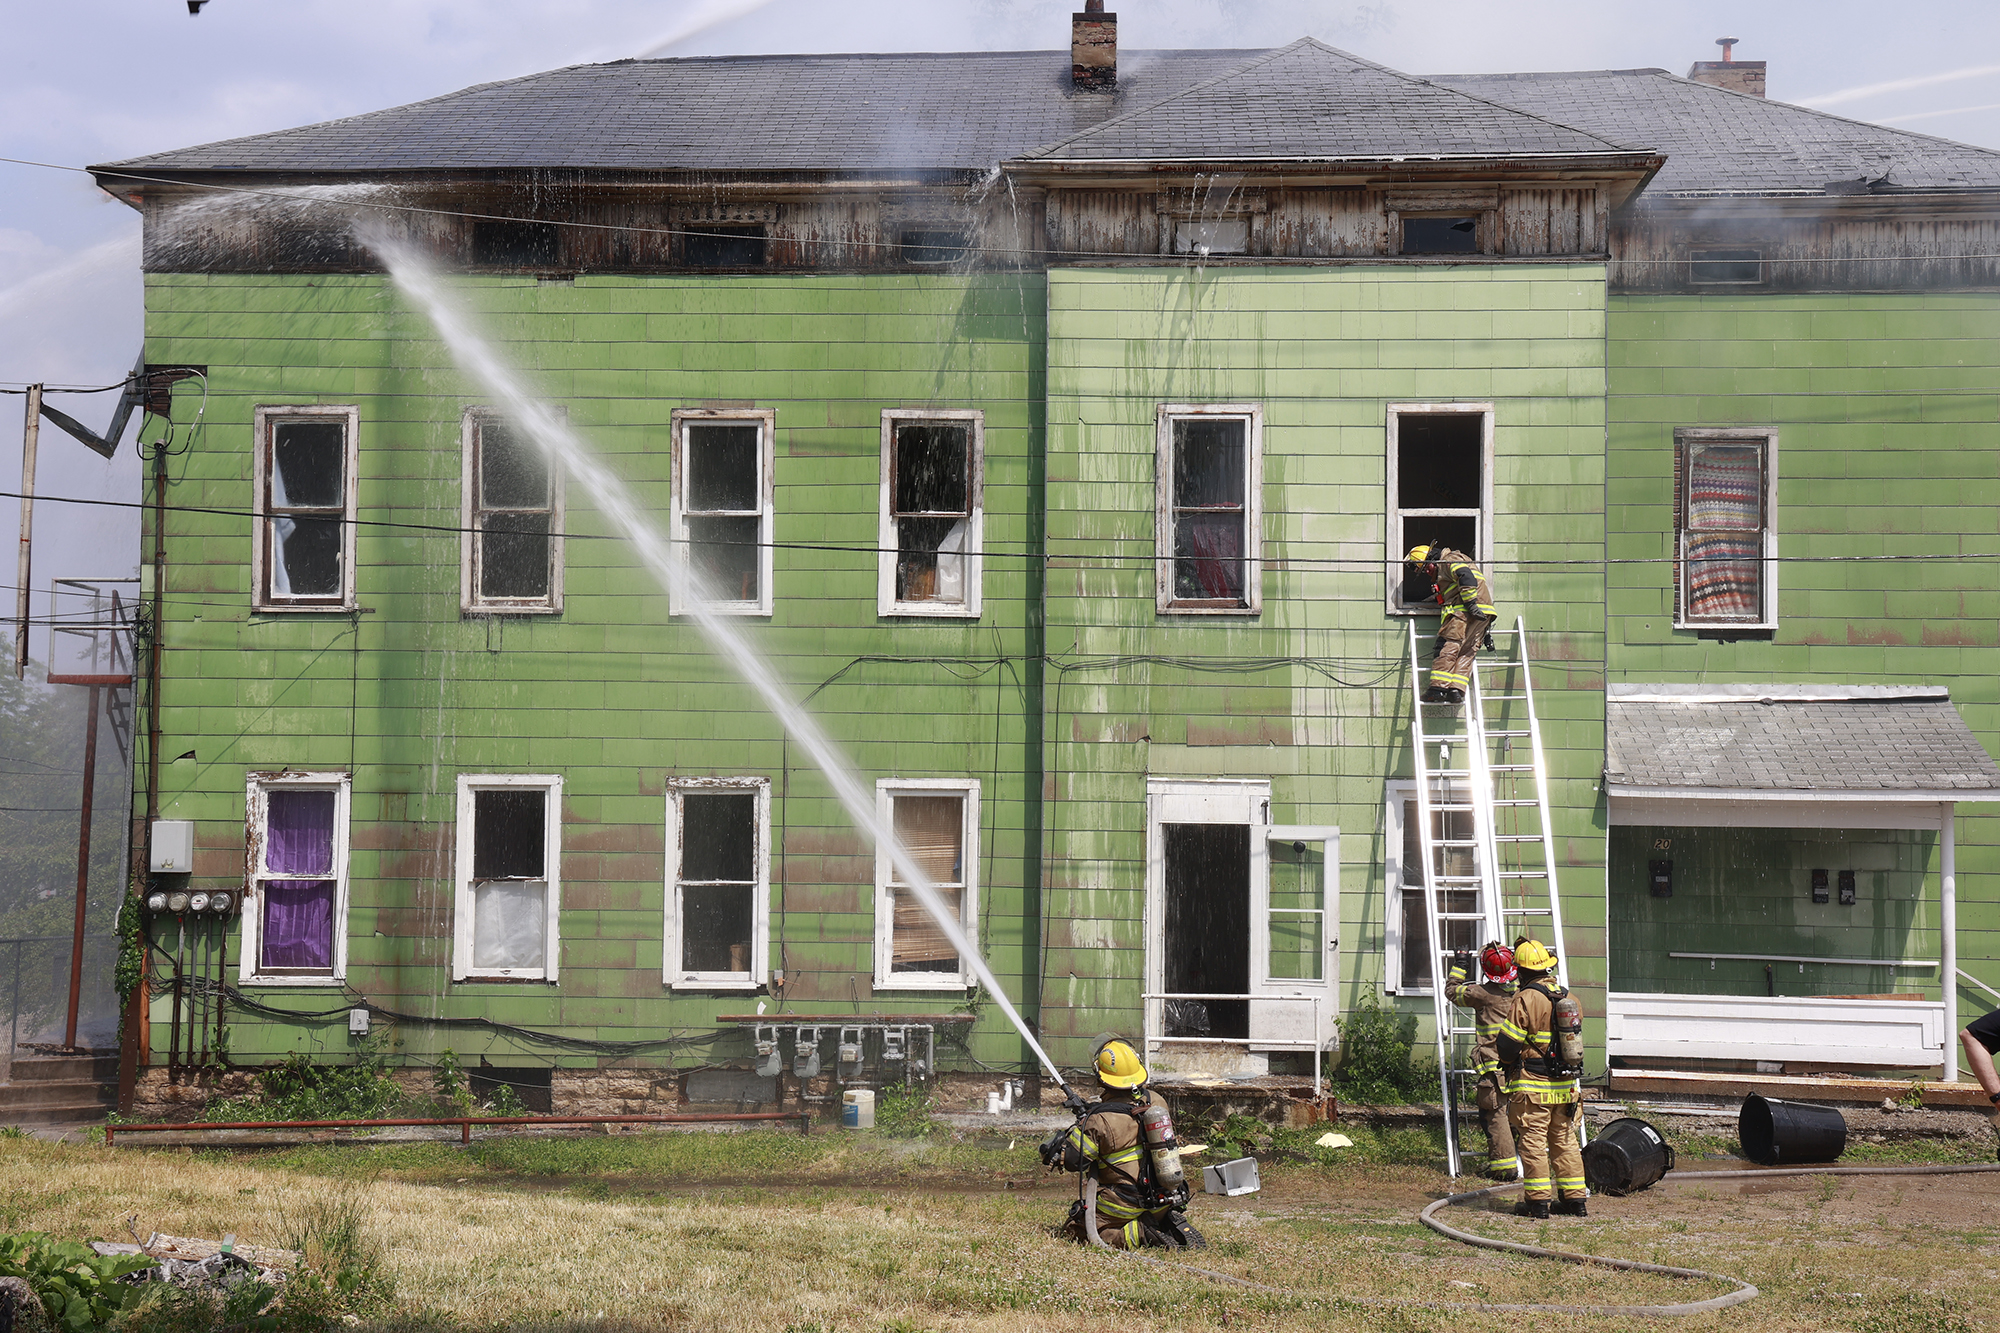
(1948, 928)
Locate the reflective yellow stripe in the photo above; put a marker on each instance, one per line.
(1122, 1157)
(1506, 1027)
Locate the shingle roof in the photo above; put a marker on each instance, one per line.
(1309, 100)
(1729, 142)
(1776, 738)
(945, 112)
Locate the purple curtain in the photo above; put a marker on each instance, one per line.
(299, 833)
(298, 923)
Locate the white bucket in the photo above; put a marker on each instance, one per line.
(857, 1108)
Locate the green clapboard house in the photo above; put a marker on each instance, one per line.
(1055, 431)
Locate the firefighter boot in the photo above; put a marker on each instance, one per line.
(1436, 694)
(1571, 1208)
(1176, 1224)
(1535, 1208)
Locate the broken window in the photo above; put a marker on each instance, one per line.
(716, 841)
(932, 516)
(932, 247)
(515, 242)
(1209, 509)
(1441, 235)
(938, 824)
(508, 877)
(304, 553)
(1412, 955)
(1439, 489)
(295, 915)
(710, 246)
(1726, 543)
(1211, 235)
(1740, 267)
(513, 520)
(722, 507)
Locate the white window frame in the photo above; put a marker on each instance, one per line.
(671, 972)
(886, 792)
(889, 542)
(256, 821)
(264, 424)
(1165, 603)
(765, 419)
(1684, 437)
(1399, 541)
(471, 547)
(462, 900)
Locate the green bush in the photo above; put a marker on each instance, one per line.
(904, 1113)
(79, 1288)
(1375, 1064)
(298, 1089)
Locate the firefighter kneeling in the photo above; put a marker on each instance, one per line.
(1126, 1142)
(1541, 1051)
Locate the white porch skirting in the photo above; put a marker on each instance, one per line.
(1794, 1029)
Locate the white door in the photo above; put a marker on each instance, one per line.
(1205, 862)
(1294, 926)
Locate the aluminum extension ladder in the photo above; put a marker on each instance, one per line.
(1483, 828)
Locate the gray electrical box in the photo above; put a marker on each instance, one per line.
(173, 847)
(357, 1022)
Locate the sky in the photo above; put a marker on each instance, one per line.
(110, 79)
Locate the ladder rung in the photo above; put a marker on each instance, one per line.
(1461, 916)
(1518, 837)
(1525, 911)
(1511, 768)
(1510, 733)
(1524, 874)
(1503, 698)
(1435, 806)
(1456, 842)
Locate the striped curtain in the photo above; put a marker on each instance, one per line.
(1723, 535)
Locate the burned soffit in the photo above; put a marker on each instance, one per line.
(1691, 741)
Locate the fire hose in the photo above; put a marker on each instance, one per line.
(1744, 1291)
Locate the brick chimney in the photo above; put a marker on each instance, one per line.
(1738, 76)
(1093, 49)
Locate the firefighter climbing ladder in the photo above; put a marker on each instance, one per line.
(1484, 837)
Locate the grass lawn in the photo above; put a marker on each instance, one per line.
(763, 1230)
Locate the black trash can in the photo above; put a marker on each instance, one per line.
(1626, 1156)
(1775, 1133)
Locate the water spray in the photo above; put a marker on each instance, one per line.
(564, 448)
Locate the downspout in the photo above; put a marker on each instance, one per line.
(1948, 928)
(1034, 879)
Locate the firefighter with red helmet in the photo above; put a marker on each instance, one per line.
(1462, 593)
(1490, 999)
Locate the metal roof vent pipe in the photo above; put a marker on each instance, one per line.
(1738, 76)
(1093, 49)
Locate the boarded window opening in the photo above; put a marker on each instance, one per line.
(1742, 267)
(513, 517)
(932, 829)
(1207, 928)
(306, 500)
(515, 242)
(1210, 507)
(1441, 236)
(718, 881)
(1419, 952)
(931, 502)
(933, 247)
(724, 509)
(1440, 491)
(709, 246)
(1212, 236)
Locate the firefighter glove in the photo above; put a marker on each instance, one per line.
(1486, 641)
(1462, 963)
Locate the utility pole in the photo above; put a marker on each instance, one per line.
(30, 430)
(82, 869)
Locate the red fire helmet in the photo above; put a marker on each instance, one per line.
(1496, 960)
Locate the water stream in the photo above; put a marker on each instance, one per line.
(564, 448)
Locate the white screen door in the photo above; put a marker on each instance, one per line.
(1294, 920)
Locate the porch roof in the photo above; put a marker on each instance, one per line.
(1876, 743)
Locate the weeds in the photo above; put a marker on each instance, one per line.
(905, 1113)
(1375, 1065)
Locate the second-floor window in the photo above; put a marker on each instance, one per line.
(722, 508)
(932, 514)
(1209, 466)
(303, 556)
(1725, 498)
(1440, 490)
(512, 519)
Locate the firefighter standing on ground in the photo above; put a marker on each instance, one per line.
(1540, 1046)
(1140, 1189)
(1491, 1002)
(1462, 592)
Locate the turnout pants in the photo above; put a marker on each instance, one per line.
(1550, 1154)
(1459, 637)
(1494, 1119)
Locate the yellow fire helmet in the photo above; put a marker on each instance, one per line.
(1419, 555)
(1534, 956)
(1118, 1065)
